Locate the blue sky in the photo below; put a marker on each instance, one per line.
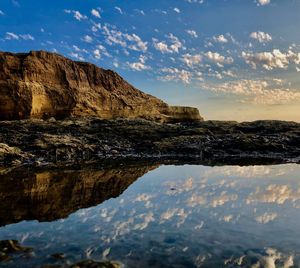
(233, 59)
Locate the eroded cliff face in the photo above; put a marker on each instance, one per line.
(40, 84)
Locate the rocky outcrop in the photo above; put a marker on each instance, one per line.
(40, 84)
(90, 139)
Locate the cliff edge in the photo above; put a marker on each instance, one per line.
(41, 84)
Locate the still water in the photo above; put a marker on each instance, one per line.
(155, 216)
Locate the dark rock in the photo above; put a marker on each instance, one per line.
(83, 140)
(9, 247)
(94, 264)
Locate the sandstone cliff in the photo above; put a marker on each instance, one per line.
(40, 84)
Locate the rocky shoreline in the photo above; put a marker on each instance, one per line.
(85, 140)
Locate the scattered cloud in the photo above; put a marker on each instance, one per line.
(271, 60)
(263, 2)
(177, 10)
(261, 37)
(87, 39)
(220, 39)
(191, 60)
(195, 1)
(176, 75)
(95, 13)
(125, 40)
(1, 13)
(119, 10)
(139, 65)
(13, 36)
(140, 11)
(76, 14)
(192, 33)
(173, 45)
(218, 59)
(76, 56)
(267, 92)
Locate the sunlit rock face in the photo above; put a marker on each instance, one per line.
(48, 196)
(40, 84)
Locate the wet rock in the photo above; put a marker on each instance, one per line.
(59, 256)
(89, 139)
(9, 247)
(94, 264)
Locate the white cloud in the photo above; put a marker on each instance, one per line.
(76, 14)
(13, 36)
(176, 44)
(177, 10)
(76, 56)
(220, 39)
(271, 60)
(263, 2)
(96, 13)
(27, 37)
(173, 46)
(176, 75)
(125, 40)
(161, 46)
(266, 92)
(195, 1)
(136, 42)
(77, 49)
(87, 39)
(119, 10)
(140, 11)
(97, 54)
(96, 27)
(192, 33)
(261, 37)
(219, 59)
(191, 60)
(99, 51)
(1, 13)
(140, 65)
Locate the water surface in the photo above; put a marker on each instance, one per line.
(150, 216)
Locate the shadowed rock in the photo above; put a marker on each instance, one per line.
(41, 84)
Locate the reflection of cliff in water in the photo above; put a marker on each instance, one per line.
(53, 195)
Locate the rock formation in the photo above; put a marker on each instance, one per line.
(40, 84)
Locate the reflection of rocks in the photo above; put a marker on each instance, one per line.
(48, 196)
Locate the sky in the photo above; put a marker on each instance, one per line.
(232, 59)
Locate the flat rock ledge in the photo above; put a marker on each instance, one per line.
(51, 142)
